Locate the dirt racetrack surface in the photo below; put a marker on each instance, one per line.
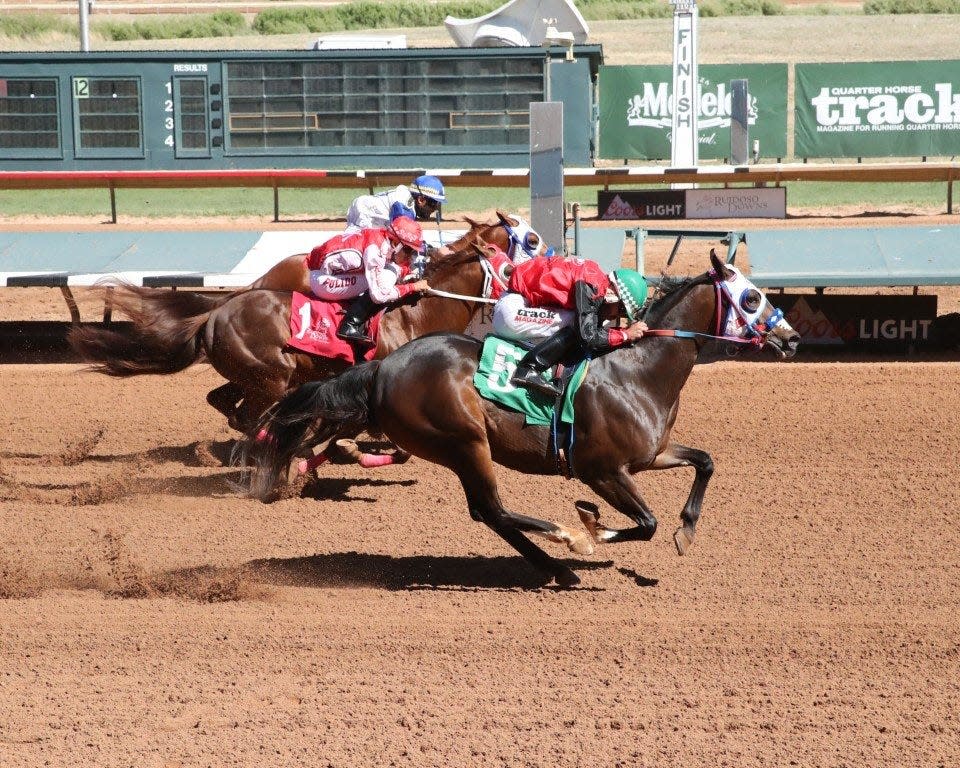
(150, 615)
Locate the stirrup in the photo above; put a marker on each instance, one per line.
(530, 379)
(354, 334)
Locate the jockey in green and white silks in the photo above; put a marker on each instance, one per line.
(568, 303)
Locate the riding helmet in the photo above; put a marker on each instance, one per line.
(429, 186)
(632, 289)
(407, 231)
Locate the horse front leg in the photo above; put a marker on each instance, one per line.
(677, 455)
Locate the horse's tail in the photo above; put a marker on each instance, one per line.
(164, 334)
(310, 414)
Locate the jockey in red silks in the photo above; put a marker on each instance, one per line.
(573, 294)
(368, 265)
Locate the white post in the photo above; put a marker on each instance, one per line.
(84, 26)
(684, 150)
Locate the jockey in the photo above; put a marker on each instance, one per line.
(422, 198)
(367, 265)
(571, 284)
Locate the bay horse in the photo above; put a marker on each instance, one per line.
(244, 334)
(422, 397)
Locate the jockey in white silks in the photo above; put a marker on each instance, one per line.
(367, 266)
(421, 200)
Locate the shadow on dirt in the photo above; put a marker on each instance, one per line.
(358, 569)
(192, 455)
(338, 488)
(638, 579)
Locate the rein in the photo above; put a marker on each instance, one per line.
(490, 276)
(756, 339)
(448, 295)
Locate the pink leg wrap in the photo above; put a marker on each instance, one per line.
(305, 465)
(370, 460)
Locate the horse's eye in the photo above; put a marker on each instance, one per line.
(531, 240)
(750, 300)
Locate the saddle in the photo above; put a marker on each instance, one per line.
(498, 359)
(313, 329)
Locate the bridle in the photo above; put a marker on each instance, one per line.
(732, 323)
(523, 242)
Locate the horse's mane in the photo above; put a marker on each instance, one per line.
(667, 291)
(468, 248)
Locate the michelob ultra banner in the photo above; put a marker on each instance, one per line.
(885, 109)
(636, 109)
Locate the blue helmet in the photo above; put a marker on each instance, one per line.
(429, 186)
(399, 209)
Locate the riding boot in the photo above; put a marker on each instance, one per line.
(547, 353)
(353, 326)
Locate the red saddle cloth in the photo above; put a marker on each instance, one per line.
(313, 329)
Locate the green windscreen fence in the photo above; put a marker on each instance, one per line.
(636, 108)
(884, 109)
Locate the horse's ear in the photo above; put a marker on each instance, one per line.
(504, 219)
(718, 266)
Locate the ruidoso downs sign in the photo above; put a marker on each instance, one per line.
(889, 109)
(730, 203)
(637, 103)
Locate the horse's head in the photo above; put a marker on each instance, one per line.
(510, 233)
(744, 312)
(523, 242)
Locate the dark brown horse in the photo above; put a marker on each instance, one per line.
(244, 335)
(422, 397)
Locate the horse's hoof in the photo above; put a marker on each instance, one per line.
(401, 456)
(349, 447)
(683, 538)
(589, 516)
(580, 543)
(296, 468)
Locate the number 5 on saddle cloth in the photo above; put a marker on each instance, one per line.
(498, 360)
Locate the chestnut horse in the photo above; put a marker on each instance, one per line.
(244, 335)
(422, 397)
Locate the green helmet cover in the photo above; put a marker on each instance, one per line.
(632, 288)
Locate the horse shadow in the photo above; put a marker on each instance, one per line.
(408, 573)
(197, 454)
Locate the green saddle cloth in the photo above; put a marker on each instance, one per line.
(497, 363)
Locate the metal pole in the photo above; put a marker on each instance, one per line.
(739, 122)
(84, 26)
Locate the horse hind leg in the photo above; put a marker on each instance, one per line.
(479, 483)
(225, 399)
(620, 491)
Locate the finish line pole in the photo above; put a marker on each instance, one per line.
(684, 149)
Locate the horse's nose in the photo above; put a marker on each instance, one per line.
(793, 341)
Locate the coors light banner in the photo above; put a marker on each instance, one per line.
(889, 109)
(636, 109)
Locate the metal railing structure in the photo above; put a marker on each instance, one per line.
(285, 178)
